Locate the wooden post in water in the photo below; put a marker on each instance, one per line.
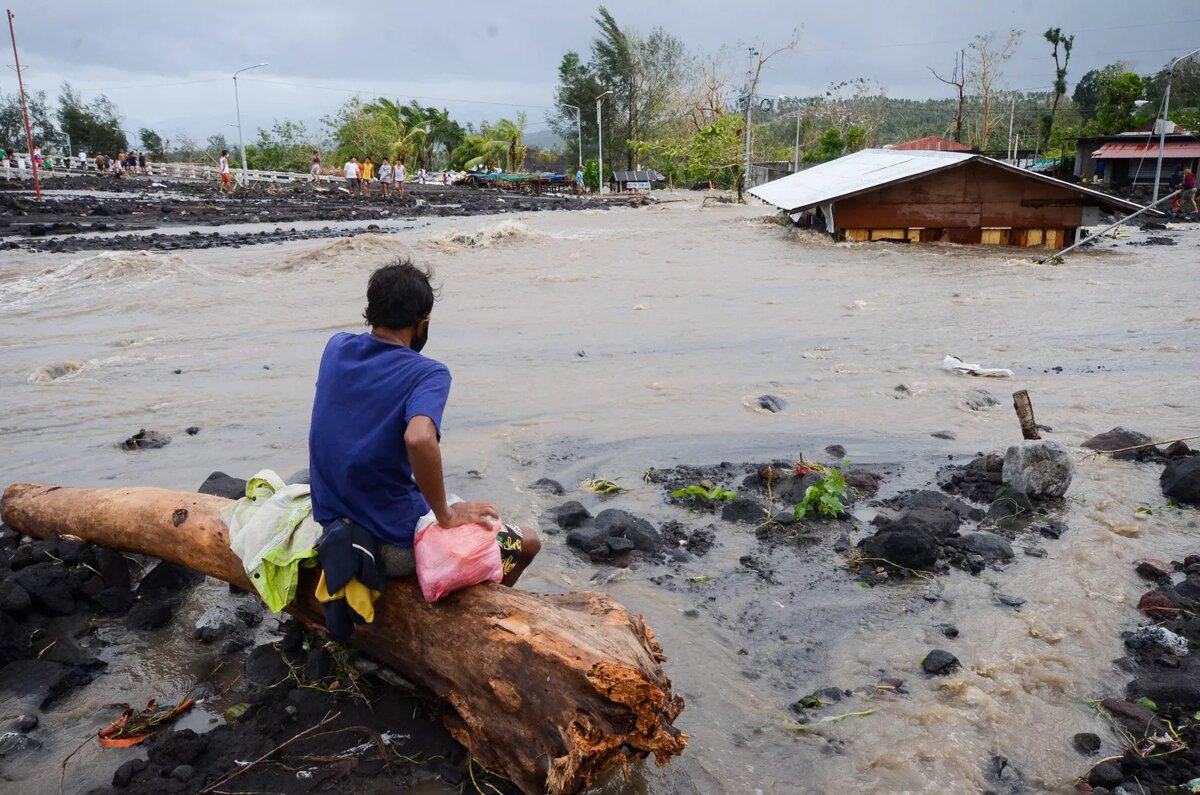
(1024, 409)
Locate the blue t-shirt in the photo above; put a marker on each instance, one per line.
(367, 392)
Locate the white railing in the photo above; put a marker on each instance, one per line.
(74, 167)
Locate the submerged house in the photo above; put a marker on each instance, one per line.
(925, 196)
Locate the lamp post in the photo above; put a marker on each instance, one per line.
(600, 140)
(578, 131)
(1162, 130)
(238, 106)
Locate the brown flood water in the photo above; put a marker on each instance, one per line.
(604, 343)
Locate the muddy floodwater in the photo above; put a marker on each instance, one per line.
(603, 344)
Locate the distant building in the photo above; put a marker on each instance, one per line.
(1129, 159)
(931, 143)
(636, 180)
(925, 196)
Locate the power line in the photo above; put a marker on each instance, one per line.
(407, 96)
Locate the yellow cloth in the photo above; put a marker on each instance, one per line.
(368, 170)
(360, 598)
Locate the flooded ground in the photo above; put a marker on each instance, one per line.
(601, 344)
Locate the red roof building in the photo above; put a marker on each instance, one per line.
(932, 143)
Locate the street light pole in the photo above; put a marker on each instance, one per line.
(1162, 130)
(37, 184)
(578, 131)
(600, 141)
(238, 106)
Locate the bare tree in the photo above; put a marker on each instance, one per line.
(762, 58)
(957, 79)
(987, 65)
(1055, 36)
(707, 100)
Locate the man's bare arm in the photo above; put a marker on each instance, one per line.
(425, 455)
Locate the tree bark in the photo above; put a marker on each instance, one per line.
(550, 690)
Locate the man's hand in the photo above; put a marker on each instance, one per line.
(461, 513)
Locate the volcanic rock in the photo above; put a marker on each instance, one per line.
(1180, 480)
(1041, 469)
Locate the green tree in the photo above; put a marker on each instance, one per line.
(12, 121)
(1118, 102)
(500, 144)
(153, 143)
(1057, 39)
(287, 146)
(374, 130)
(578, 86)
(833, 144)
(1089, 91)
(94, 126)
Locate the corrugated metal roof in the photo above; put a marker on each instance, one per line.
(1146, 150)
(931, 143)
(870, 169)
(638, 176)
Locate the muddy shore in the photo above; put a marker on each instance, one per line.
(345, 723)
(139, 213)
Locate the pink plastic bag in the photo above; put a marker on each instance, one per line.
(449, 560)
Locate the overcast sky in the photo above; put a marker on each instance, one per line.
(167, 63)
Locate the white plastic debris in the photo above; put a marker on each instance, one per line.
(1164, 637)
(957, 365)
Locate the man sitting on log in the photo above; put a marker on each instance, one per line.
(374, 452)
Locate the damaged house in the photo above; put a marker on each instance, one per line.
(927, 196)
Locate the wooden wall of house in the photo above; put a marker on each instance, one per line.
(972, 196)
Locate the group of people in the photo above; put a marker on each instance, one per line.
(124, 163)
(358, 176)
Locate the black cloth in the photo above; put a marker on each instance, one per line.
(347, 551)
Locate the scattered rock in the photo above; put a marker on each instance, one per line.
(1119, 439)
(938, 522)
(988, 545)
(1041, 469)
(1157, 605)
(13, 743)
(146, 440)
(216, 623)
(1010, 510)
(14, 599)
(949, 630)
(570, 515)
(222, 485)
(772, 403)
(548, 486)
(1135, 718)
(909, 548)
(743, 508)
(617, 545)
(979, 400)
(1178, 450)
(1107, 774)
(863, 482)
(1007, 600)
(175, 748)
(1034, 551)
(949, 436)
(192, 430)
(168, 578)
(148, 615)
(114, 600)
(622, 524)
(836, 451)
(26, 723)
(1086, 743)
(49, 588)
(128, 769)
(183, 773)
(1180, 480)
(1152, 568)
(264, 667)
(113, 568)
(939, 662)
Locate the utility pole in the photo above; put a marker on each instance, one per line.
(37, 185)
(600, 142)
(238, 106)
(749, 105)
(578, 132)
(1012, 114)
(1162, 130)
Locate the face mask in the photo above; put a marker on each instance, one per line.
(419, 340)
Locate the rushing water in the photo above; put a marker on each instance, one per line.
(604, 343)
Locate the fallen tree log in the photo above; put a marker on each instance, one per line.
(550, 690)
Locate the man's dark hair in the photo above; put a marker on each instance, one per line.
(224, 152)
(399, 295)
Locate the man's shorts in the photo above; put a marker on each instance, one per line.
(399, 561)
(226, 178)
(1188, 194)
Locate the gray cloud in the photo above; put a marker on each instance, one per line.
(167, 64)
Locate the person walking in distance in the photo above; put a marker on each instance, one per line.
(1189, 191)
(400, 175)
(314, 170)
(368, 173)
(385, 179)
(226, 174)
(350, 170)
